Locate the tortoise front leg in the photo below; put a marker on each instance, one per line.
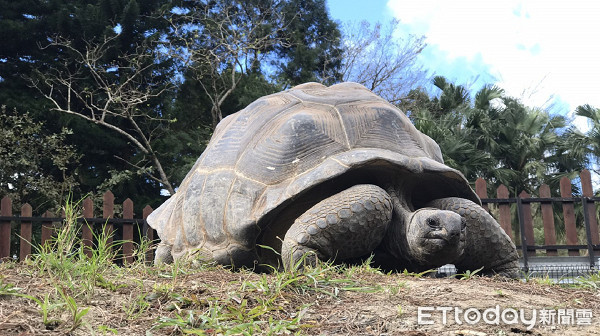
(487, 245)
(163, 254)
(349, 224)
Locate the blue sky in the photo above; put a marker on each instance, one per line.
(545, 52)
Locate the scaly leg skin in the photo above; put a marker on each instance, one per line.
(487, 244)
(163, 254)
(346, 225)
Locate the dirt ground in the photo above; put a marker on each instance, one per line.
(356, 302)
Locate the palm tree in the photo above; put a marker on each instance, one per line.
(498, 138)
(586, 144)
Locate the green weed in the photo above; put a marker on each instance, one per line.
(76, 313)
(468, 274)
(590, 281)
(45, 306)
(418, 275)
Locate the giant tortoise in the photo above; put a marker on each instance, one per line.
(330, 173)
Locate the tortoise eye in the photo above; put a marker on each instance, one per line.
(433, 222)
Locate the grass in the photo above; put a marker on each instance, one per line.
(468, 274)
(185, 298)
(76, 273)
(64, 264)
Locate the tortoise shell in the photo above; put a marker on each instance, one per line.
(269, 162)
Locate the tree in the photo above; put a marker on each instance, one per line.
(113, 93)
(36, 166)
(264, 45)
(218, 43)
(313, 51)
(496, 137)
(455, 141)
(84, 25)
(376, 57)
(525, 142)
(586, 144)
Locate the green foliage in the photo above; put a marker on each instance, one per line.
(468, 274)
(496, 137)
(418, 275)
(36, 166)
(590, 281)
(313, 44)
(64, 258)
(32, 24)
(586, 144)
(176, 124)
(77, 314)
(7, 288)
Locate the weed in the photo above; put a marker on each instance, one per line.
(7, 288)
(229, 318)
(590, 281)
(364, 268)
(105, 330)
(395, 289)
(76, 313)
(45, 306)
(468, 274)
(417, 275)
(73, 269)
(136, 307)
(64, 259)
(102, 282)
(546, 280)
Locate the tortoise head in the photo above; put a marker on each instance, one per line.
(434, 236)
(421, 235)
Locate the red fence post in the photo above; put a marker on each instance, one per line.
(528, 221)
(47, 227)
(108, 211)
(86, 229)
(548, 220)
(504, 210)
(569, 215)
(149, 234)
(481, 191)
(5, 227)
(588, 191)
(25, 245)
(128, 231)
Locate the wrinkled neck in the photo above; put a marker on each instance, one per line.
(396, 239)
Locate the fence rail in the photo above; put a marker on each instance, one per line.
(502, 208)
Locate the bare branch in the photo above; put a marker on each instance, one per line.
(221, 42)
(379, 58)
(103, 92)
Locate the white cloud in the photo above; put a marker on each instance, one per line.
(536, 49)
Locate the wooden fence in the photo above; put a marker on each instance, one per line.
(503, 209)
(526, 240)
(48, 222)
